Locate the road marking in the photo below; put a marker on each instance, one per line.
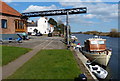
(40, 44)
(47, 44)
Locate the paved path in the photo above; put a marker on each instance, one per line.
(46, 43)
(35, 41)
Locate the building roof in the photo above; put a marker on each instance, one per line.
(6, 9)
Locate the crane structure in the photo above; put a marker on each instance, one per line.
(66, 12)
(55, 12)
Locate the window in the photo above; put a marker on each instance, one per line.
(19, 24)
(4, 23)
(101, 42)
(93, 42)
(97, 42)
(16, 24)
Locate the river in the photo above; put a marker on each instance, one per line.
(113, 66)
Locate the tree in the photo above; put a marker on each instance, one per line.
(58, 26)
(61, 28)
(59, 22)
(52, 21)
(114, 33)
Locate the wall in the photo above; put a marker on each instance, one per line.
(31, 29)
(51, 28)
(10, 25)
(43, 25)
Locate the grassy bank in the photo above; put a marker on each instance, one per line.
(10, 53)
(49, 64)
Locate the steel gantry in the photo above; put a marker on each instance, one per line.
(66, 12)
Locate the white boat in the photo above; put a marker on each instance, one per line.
(78, 46)
(74, 37)
(95, 50)
(98, 71)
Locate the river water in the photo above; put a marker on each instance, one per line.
(113, 66)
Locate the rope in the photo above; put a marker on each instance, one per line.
(95, 59)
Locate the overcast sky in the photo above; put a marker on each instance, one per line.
(100, 16)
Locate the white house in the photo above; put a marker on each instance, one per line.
(41, 25)
(31, 26)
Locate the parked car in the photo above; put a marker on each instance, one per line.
(49, 34)
(38, 34)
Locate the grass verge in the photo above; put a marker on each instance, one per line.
(49, 64)
(10, 53)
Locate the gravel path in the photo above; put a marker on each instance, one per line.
(37, 43)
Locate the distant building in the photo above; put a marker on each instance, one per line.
(41, 25)
(31, 26)
(51, 28)
(11, 21)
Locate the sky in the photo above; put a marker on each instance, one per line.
(101, 16)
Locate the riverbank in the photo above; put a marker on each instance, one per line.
(82, 60)
(110, 34)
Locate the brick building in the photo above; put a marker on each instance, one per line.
(10, 20)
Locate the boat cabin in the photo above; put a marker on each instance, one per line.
(95, 44)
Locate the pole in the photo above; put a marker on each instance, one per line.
(67, 24)
(65, 32)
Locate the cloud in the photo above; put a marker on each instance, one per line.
(89, 16)
(99, 10)
(33, 8)
(81, 19)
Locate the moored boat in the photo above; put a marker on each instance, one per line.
(98, 71)
(96, 51)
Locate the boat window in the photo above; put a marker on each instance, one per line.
(98, 71)
(100, 42)
(93, 42)
(97, 42)
(94, 68)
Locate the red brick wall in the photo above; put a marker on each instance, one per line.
(10, 25)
